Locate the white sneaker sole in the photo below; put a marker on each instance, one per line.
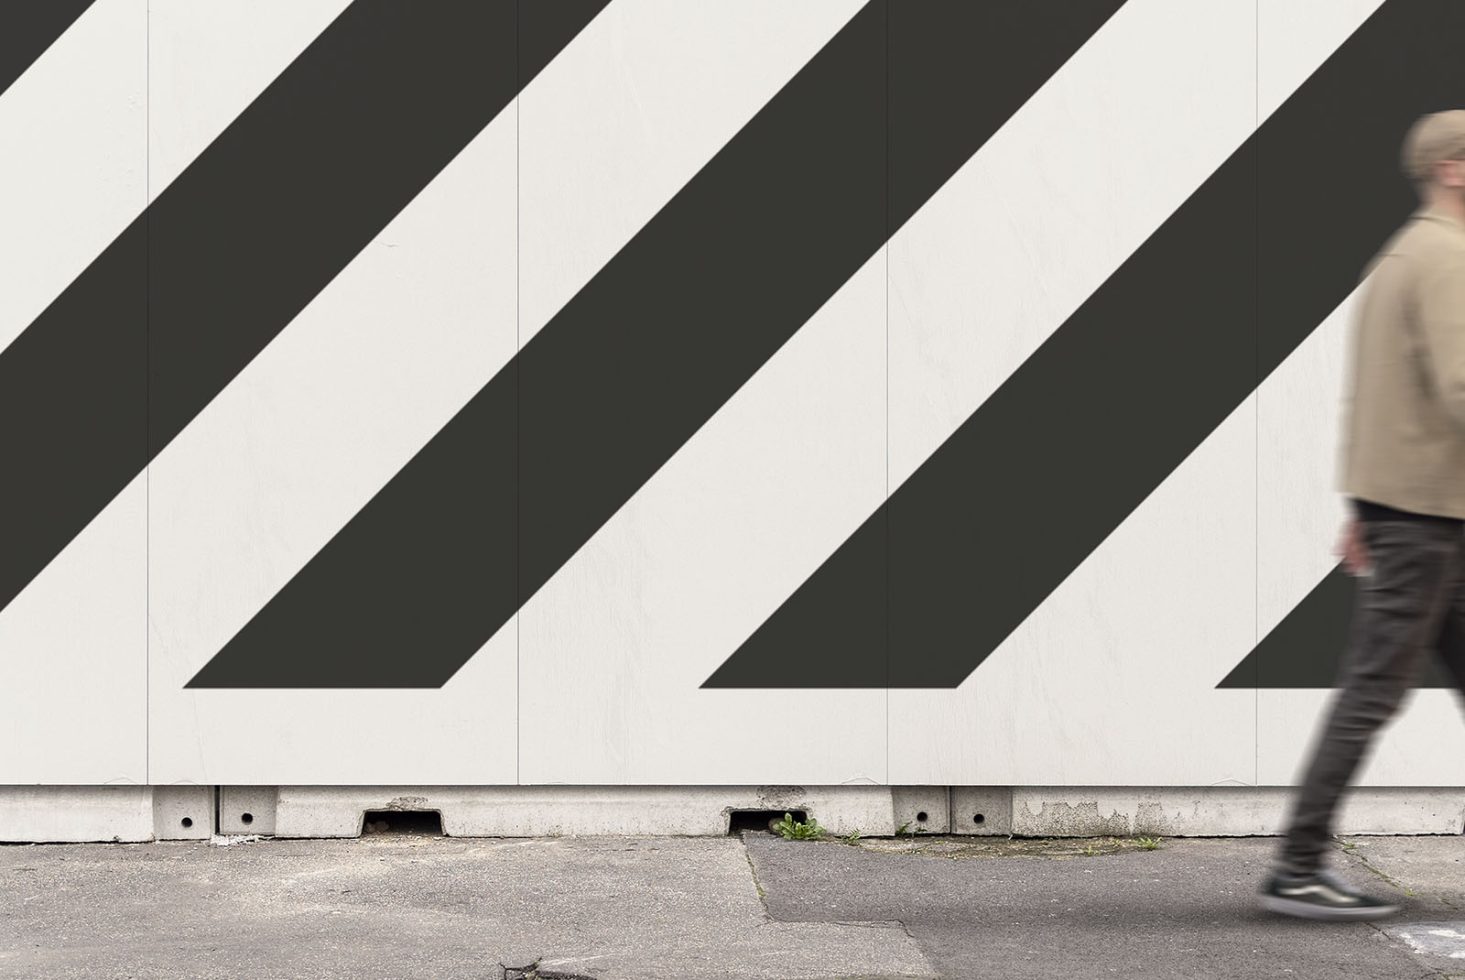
(1307, 910)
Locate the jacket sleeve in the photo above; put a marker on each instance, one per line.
(1442, 321)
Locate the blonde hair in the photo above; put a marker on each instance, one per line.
(1433, 137)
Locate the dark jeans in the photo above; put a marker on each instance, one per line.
(1418, 578)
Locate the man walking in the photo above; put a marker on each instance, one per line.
(1403, 466)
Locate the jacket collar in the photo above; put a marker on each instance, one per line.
(1431, 213)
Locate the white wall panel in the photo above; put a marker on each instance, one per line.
(1111, 680)
(208, 61)
(380, 360)
(77, 149)
(630, 111)
(615, 645)
(1106, 679)
(1295, 36)
(72, 170)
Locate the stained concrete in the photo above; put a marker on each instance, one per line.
(685, 908)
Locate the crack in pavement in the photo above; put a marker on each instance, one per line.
(1350, 849)
(753, 870)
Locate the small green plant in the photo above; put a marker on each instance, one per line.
(852, 837)
(791, 829)
(1148, 843)
(1090, 850)
(905, 830)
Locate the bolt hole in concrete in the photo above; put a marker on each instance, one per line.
(405, 823)
(187, 822)
(741, 820)
(246, 818)
(921, 817)
(979, 818)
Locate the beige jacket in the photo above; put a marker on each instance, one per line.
(1403, 436)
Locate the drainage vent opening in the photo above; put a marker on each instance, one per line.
(187, 822)
(921, 817)
(246, 818)
(761, 820)
(414, 823)
(979, 818)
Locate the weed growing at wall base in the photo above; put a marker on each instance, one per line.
(791, 829)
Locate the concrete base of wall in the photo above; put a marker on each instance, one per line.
(1225, 811)
(548, 811)
(140, 813)
(125, 814)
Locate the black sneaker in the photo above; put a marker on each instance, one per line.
(1322, 895)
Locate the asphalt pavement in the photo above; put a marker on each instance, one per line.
(689, 908)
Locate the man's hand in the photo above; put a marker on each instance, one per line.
(1351, 548)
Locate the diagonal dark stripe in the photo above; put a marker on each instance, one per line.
(28, 28)
(667, 331)
(227, 256)
(1306, 648)
(1125, 389)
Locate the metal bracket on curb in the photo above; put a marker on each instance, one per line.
(985, 810)
(183, 812)
(248, 810)
(926, 809)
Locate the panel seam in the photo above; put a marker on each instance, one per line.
(147, 422)
(518, 482)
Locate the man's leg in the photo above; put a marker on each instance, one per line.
(1450, 647)
(1397, 615)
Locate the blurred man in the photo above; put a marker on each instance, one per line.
(1403, 466)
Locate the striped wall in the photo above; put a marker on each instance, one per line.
(689, 391)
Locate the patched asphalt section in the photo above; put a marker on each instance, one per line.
(611, 908)
(1185, 910)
